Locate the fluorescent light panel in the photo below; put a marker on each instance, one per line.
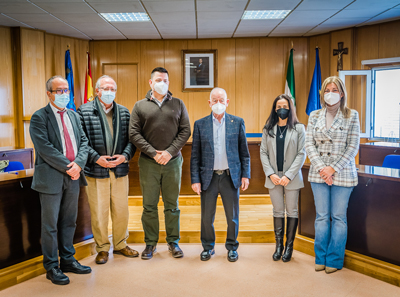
(264, 14)
(126, 17)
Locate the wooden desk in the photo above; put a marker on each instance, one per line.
(256, 182)
(20, 218)
(374, 153)
(23, 155)
(373, 213)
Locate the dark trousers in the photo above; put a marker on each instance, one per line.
(223, 185)
(59, 213)
(167, 179)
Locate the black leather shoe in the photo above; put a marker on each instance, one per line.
(206, 255)
(233, 256)
(175, 250)
(148, 252)
(75, 267)
(57, 276)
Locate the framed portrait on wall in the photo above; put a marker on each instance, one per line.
(199, 70)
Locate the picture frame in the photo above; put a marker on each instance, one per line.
(199, 73)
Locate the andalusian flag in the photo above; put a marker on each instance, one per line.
(290, 86)
(88, 82)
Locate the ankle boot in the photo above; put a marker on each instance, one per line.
(290, 235)
(279, 229)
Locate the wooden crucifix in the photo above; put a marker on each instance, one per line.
(339, 52)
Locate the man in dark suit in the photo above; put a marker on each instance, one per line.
(220, 164)
(61, 152)
(201, 74)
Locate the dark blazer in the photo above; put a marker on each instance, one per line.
(50, 162)
(202, 159)
(95, 131)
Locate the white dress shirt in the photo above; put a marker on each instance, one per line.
(69, 128)
(220, 157)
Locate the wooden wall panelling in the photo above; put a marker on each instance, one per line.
(199, 107)
(389, 40)
(33, 77)
(17, 87)
(54, 64)
(151, 56)
(227, 69)
(7, 116)
(248, 82)
(128, 51)
(173, 63)
(127, 77)
(272, 75)
(102, 52)
(33, 72)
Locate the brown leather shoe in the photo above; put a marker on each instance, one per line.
(102, 258)
(127, 252)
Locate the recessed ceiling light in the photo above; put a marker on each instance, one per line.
(264, 14)
(126, 17)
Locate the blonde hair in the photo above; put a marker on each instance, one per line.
(342, 90)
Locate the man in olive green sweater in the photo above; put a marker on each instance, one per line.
(159, 128)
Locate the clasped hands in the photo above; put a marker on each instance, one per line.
(162, 157)
(279, 181)
(75, 171)
(326, 174)
(111, 162)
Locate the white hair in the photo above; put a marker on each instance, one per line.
(218, 89)
(98, 83)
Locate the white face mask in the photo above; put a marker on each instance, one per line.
(332, 98)
(107, 97)
(218, 108)
(161, 88)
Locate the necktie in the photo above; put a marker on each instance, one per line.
(69, 149)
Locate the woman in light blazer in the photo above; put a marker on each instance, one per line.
(332, 141)
(282, 156)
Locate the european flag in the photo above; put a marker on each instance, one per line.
(313, 97)
(69, 76)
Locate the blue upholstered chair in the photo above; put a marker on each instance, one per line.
(392, 161)
(14, 166)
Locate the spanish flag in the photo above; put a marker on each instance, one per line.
(88, 82)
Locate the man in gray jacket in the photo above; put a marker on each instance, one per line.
(61, 152)
(159, 128)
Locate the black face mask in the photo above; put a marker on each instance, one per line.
(283, 113)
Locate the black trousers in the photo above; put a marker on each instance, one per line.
(220, 184)
(59, 213)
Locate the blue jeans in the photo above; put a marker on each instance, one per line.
(330, 236)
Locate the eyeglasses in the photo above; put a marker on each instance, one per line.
(107, 89)
(60, 92)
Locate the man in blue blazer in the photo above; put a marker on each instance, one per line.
(220, 164)
(61, 152)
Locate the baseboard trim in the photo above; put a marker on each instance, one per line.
(31, 268)
(360, 263)
(220, 237)
(191, 200)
